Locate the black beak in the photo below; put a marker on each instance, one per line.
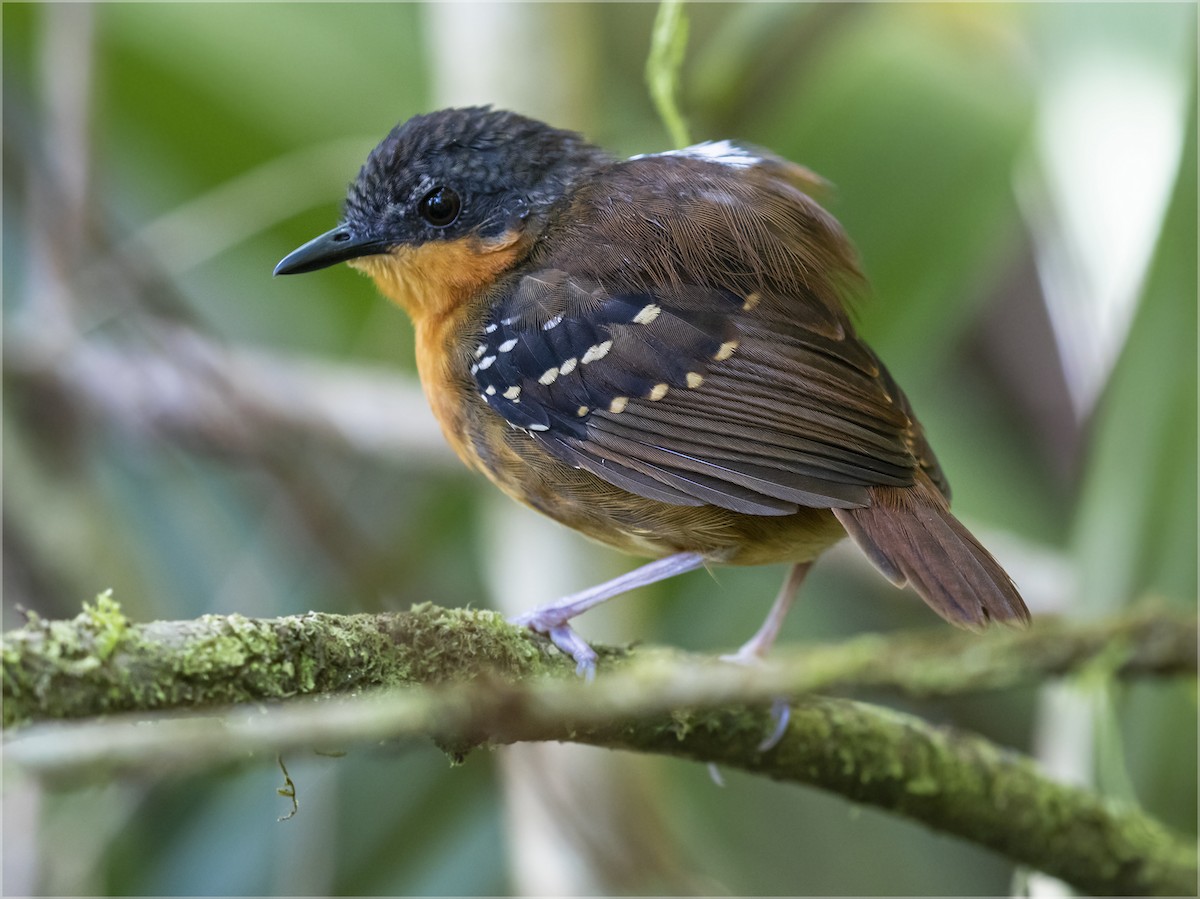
(329, 249)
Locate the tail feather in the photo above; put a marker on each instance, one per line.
(911, 537)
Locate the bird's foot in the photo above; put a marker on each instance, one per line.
(751, 653)
(553, 619)
(754, 650)
(552, 623)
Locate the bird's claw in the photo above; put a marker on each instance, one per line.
(781, 712)
(563, 636)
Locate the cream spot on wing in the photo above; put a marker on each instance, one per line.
(726, 350)
(599, 351)
(480, 350)
(512, 393)
(752, 300)
(658, 391)
(647, 314)
(549, 376)
(582, 411)
(490, 390)
(486, 362)
(618, 404)
(568, 366)
(507, 346)
(694, 379)
(491, 329)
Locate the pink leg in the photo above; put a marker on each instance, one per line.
(756, 648)
(552, 619)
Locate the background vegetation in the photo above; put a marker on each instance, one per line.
(1020, 181)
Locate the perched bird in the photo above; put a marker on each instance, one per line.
(656, 352)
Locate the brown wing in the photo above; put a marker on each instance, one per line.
(686, 339)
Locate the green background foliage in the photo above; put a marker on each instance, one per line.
(213, 138)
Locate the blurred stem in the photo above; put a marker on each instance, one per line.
(480, 685)
(668, 41)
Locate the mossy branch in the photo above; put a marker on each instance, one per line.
(99, 662)
(482, 684)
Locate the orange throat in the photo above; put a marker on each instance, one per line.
(438, 278)
(437, 284)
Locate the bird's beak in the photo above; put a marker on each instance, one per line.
(330, 248)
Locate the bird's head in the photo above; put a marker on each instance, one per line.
(450, 196)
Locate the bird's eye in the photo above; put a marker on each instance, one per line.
(440, 207)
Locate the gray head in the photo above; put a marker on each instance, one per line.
(448, 175)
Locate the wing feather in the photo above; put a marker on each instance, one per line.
(720, 368)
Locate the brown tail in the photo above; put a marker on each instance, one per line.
(910, 536)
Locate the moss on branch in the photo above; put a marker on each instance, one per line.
(99, 662)
(474, 679)
(951, 781)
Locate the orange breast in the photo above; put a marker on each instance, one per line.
(441, 285)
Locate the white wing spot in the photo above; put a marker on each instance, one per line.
(726, 350)
(507, 346)
(599, 351)
(552, 323)
(491, 329)
(486, 362)
(569, 366)
(539, 427)
(582, 411)
(480, 350)
(490, 390)
(658, 392)
(512, 393)
(694, 379)
(752, 300)
(618, 404)
(549, 376)
(647, 314)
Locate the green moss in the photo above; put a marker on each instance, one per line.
(923, 785)
(108, 622)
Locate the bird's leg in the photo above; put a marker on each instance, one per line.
(754, 650)
(553, 618)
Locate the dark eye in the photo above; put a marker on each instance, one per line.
(440, 207)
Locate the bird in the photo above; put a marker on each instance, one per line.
(657, 352)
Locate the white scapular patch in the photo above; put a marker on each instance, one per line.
(722, 151)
